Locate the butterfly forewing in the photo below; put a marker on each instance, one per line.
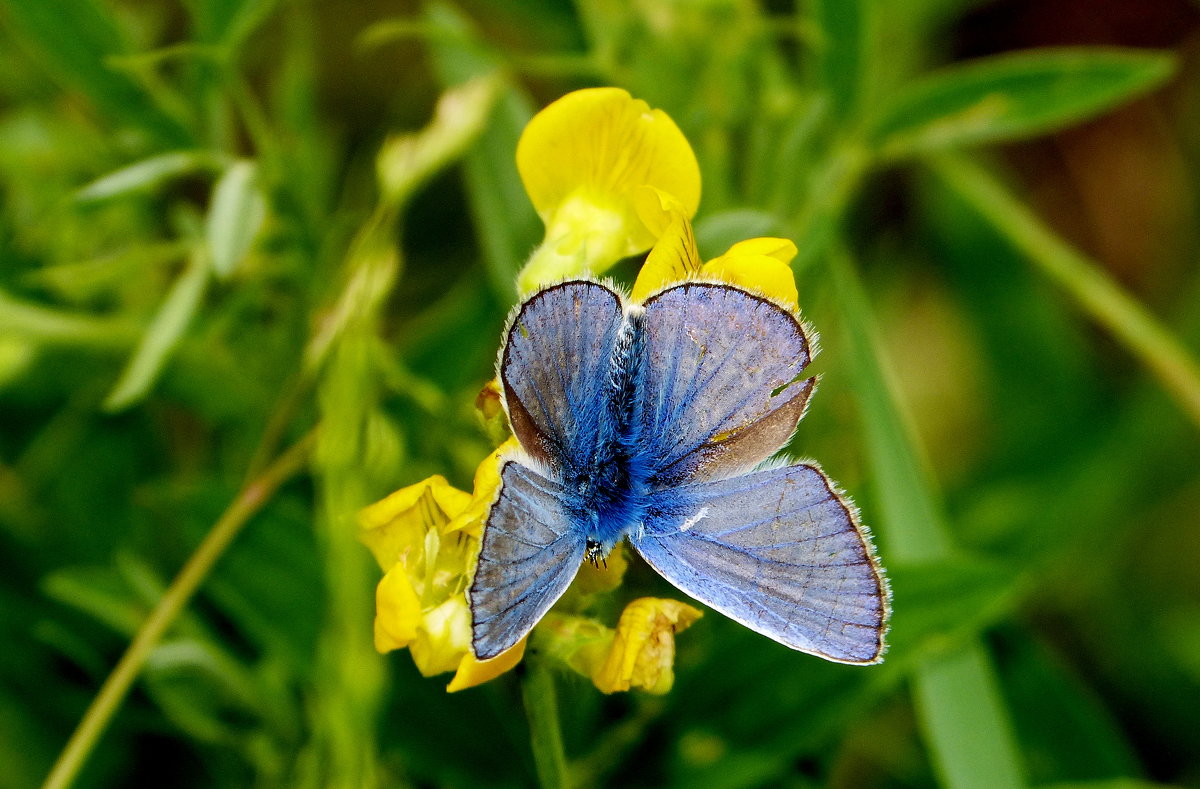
(556, 367)
(779, 551)
(528, 557)
(723, 386)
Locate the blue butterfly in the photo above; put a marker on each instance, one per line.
(652, 422)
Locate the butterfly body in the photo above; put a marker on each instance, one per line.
(652, 422)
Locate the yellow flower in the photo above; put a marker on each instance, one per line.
(581, 160)
(639, 653)
(425, 538)
(759, 264)
(642, 654)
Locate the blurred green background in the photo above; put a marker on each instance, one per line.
(188, 197)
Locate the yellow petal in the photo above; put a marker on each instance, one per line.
(397, 611)
(598, 145)
(472, 671)
(399, 522)
(487, 480)
(674, 257)
(781, 249)
(443, 637)
(757, 273)
(643, 651)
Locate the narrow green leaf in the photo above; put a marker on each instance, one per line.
(235, 217)
(965, 722)
(228, 22)
(911, 525)
(148, 174)
(161, 337)
(43, 325)
(1083, 280)
(1066, 729)
(98, 592)
(842, 27)
(962, 718)
(1013, 96)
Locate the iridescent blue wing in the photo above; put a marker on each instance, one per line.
(779, 551)
(722, 382)
(555, 370)
(528, 557)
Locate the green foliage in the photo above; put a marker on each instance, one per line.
(1011, 97)
(217, 231)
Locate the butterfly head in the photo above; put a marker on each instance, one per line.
(595, 553)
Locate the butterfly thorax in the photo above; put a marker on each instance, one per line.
(611, 484)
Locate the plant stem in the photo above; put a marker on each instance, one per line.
(252, 497)
(545, 731)
(1082, 279)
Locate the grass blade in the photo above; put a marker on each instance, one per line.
(1014, 96)
(1082, 279)
(841, 51)
(964, 724)
(75, 38)
(147, 174)
(235, 217)
(161, 337)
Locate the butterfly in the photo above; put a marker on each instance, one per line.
(657, 423)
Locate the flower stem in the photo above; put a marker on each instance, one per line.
(545, 731)
(252, 497)
(1083, 280)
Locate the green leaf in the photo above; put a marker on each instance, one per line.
(938, 605)
(75, 38)
(161, 337)
(1011, 97)
(1084, 281)
(49, 326)
(962, 716)
(148, 174)
(965, 721)
(98, 592)
(235, 217)
(507, 224)
(228, 22)
(841, 50)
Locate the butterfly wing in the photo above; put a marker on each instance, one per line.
(779, 551)
(528, 557)
(555, 370)
(722, 381)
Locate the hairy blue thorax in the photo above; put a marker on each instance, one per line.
(610, 483)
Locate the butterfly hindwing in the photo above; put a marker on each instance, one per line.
(555, 369)
(779, 551)
(528, 557)
(723, 386)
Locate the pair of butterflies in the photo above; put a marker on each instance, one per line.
(656, 422)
